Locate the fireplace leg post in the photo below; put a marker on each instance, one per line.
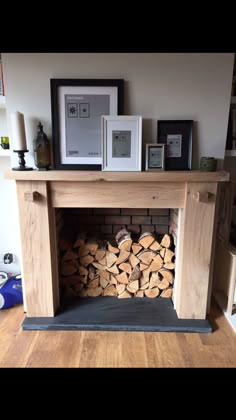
(195, 234)
(39, 250)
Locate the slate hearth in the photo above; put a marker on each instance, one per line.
(112, 314)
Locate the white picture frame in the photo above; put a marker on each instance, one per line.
(121, 142)
(155, 157)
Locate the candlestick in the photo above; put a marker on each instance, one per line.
(18, 131)
(21, 167)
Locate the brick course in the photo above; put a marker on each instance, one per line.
(110, 221)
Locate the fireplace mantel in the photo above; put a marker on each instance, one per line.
(195, 192)
(91, 176)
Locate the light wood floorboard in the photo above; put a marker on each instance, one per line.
(115, 349)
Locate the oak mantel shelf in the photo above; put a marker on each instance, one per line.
(91, 176)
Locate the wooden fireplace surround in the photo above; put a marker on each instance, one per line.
(39, 193)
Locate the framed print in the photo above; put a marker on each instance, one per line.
(121, 143)
(77, 106)
(177, 136)
(155, 157)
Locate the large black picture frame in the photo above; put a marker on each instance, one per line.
(61, 110)
(177, 135)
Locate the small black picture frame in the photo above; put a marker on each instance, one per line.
(77, 106)
(177, 135)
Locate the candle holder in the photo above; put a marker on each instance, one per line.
(21, 156)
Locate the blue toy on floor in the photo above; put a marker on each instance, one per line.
(11, 292)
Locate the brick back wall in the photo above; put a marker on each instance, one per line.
(109, 221)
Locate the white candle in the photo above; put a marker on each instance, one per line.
(18, 131)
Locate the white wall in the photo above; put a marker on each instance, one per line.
(3, 123)
(157, 86)
(9, 221)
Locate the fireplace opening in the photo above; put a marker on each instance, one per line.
(117, 272)
(121, 252)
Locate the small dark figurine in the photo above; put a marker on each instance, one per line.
(41, 150)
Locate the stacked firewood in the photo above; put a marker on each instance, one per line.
(124, 269)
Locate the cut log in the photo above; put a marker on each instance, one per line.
(133, 260)
(124, 256)
(167, 293)
(103, 282)
(94, 283)
(164, 284)
(136, 248)
(125, 267)
(162, 253)
(83, 292)
(125, 295)
(104, 274)
(92, 247)
(69, 255)
(78, 243)
(83, 271)
(168, 275)
(111, 258)
(98, 265)
(75, 264)
(145, 275)
(155, 246)
(100, 254)
(146, 256)
(88, 259)
(97, 291)
(83, 250)
(110, 291)
(143, 266)
(113, 249)
(144, 286)
(135, 275)
(122, 278)
(133, 286)
(113, 269)
(92, 272)
(103, 261)
(154, 280)
(156, 264)
(146, 239)
(122, 234)
(113, 280)
(166, 241)
(139, 293)
(169, 265)
(152, 293)
(125, 244)
(84, 279)
(120, 288)
(168, 256)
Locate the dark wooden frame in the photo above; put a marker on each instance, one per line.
(185, 128)
(54, 85)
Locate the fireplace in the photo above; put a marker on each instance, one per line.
(193, 192)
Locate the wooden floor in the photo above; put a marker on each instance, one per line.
(115, 349)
